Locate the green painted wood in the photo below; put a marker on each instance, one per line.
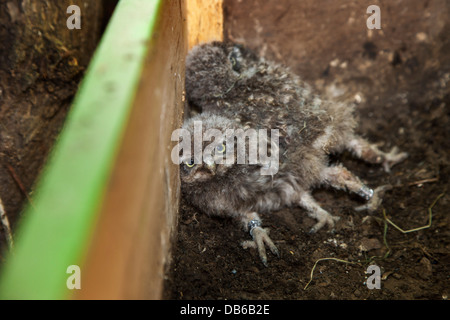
(55, 233)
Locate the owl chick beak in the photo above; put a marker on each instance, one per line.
(211, 167)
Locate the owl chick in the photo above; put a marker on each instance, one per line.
(240, 92)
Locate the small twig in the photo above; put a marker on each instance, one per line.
(19, 183)
(322, 259)
(417, 183)
(430, 213)
(16, 178)
(304, 127)
(388, 252)
(6, 226)
(229, 89)
(423, 181)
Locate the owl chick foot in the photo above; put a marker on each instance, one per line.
(315, 211)
(392, 158)
(375, 202)
(324, 218)
(260, 240)
(369, 152)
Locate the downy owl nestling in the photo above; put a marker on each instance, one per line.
(254, 106)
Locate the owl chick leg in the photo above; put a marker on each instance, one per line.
(315, 211)
(340, 178)
(370, 153)
(252, 223)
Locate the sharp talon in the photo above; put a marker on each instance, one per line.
(264, 261)
(276, 252)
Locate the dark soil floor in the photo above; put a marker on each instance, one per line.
(399, 76)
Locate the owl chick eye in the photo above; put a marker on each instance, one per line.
(221, 148)
(190, 163)
(235, 65)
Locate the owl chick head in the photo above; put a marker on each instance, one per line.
(207, 151)
(212, 145)
(213, 69)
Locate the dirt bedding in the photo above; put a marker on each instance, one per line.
(399, 76)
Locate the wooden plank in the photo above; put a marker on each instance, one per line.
(56, 231)
(131, 245)
(205, 21)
